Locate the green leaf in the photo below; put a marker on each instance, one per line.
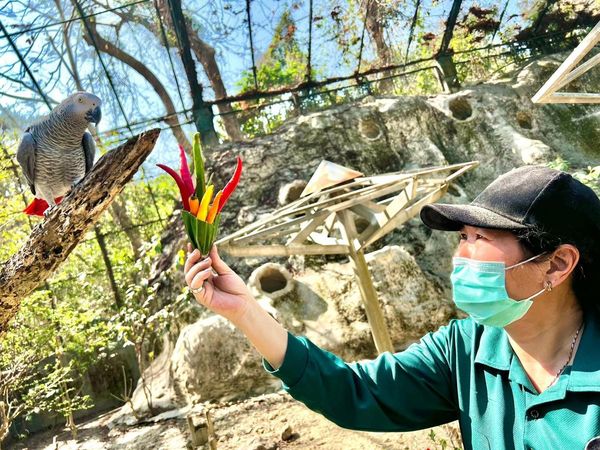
(189, 222)
(199, 167)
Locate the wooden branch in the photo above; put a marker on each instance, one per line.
(53, 240)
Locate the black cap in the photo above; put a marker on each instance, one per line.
(530, 197)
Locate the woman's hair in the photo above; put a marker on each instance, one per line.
(586, 275)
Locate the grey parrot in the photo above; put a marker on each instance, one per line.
(56, 151)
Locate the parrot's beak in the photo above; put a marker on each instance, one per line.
(94, 115)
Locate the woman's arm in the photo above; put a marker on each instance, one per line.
(405, 391)
(226, 294)
(396, 392)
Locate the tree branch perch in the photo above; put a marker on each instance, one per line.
(53, 240)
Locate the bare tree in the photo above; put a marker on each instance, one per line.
(204, 53)
(92, 36)
(375, 25)
(13, 379)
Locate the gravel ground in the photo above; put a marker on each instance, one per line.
(269, 422)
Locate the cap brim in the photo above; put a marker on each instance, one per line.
(454, 217)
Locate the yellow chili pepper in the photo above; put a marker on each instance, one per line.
(203, 209)
(212, 212)
(194, 204)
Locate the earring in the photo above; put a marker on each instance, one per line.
(548, 285)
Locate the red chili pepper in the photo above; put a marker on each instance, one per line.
(231, 185)
(185, 195)
(186, 176)
(183, 178)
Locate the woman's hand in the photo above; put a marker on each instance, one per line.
(224, 293)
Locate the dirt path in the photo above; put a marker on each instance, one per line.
(269, 422)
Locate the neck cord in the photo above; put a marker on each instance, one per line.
(570, 356)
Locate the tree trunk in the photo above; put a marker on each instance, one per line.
(4, 422)
(112, 50)
(119, 214)
(384, 52)
(206, 55)
(51, 242)
(109, 270)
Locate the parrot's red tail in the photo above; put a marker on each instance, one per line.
(38, 206)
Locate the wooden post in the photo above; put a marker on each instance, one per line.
(379, 330)
(212, 438)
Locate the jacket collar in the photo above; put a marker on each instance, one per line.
(495, 351)
(585, 373)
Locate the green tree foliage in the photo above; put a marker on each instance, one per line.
(283, 64)
(70, 323)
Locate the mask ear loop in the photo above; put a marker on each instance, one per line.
(526, 261)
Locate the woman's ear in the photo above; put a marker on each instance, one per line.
(562, 262)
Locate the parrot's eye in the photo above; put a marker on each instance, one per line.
(80, 100)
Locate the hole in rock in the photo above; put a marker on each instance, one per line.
(294, 193)
(524, 120)
(291, 192)
(460, 108)
(272, 281)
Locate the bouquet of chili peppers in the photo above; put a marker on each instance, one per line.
(201, 217)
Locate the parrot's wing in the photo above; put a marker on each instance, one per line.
(26, 158)
(89, 149)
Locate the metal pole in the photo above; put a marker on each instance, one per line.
(449, 78)
(249, 17)
(202, 112)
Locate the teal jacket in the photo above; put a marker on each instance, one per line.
(465, 372)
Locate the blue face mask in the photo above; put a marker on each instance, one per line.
(479, 289)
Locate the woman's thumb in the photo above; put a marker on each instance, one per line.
(217, 263)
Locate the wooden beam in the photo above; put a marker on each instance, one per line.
(572, 97)
(579, 70)
(403, 216)
(554, 82)
(282, 250)
(311, 225)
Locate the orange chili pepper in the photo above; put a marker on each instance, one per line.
(194, 205)
(214, 208)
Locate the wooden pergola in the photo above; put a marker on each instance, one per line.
(325, 222)
(569, 71)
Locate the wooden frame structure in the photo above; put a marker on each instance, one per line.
(345, 219)
(567, 72)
